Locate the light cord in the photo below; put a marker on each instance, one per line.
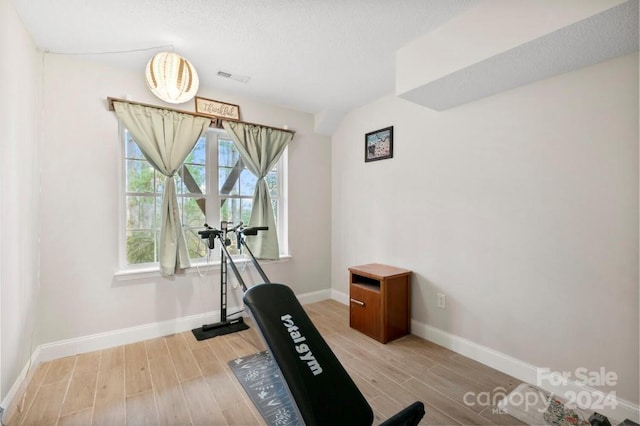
(110, 52)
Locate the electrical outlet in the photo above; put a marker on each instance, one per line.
(442, 301)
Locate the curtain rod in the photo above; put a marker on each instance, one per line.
(215, 121)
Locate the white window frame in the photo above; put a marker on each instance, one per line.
(212, 198)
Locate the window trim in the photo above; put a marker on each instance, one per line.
(197, 268)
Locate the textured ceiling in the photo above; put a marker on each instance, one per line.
(327, 57)
(312, 55)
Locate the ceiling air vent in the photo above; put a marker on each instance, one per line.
(236, 77)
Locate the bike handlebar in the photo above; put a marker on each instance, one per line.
(254, 230)
(239, 229)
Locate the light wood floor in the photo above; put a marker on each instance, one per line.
(177, 380)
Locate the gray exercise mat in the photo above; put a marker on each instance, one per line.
(260, 377)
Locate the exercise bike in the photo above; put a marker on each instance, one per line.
(322, 391)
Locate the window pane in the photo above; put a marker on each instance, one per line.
(140, 247)
(230, 210)
(225, 209)
(227, 154)
(160, 178)
(193, 212)
(158, 216)
(194, 179)
(179, 182)
(228, 182)
(196, 245)
(233, 248)
(247, 183)
(272, 184)
(140, 176)
(133, 151)
(199, 152)
(236, 209)
(247, 205)
(274, 204)
(141, 212)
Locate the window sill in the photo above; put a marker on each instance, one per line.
(198, 268)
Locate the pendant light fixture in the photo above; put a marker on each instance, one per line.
(172, 78)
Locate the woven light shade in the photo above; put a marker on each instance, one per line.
(172, 78)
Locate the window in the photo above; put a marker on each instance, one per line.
(211, 186)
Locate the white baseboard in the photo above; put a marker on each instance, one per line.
(339, 296)
(95, 342)
(99, 341)
(528, 373)
(26, 372)
(315, 296)
(514, 367)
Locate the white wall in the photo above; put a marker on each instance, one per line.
(522, 208)
(20, 108)
(80, 201)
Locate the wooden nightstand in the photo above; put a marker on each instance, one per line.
(380, 301)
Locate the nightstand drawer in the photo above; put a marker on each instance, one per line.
(364, 310)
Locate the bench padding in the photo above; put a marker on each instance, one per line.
(321, 388)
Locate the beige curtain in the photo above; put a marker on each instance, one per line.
(165, 138)
(260, 148)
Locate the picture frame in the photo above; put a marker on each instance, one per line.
(378, 145)
(217, 109)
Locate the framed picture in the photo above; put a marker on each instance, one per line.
(217, 109)
(378, 145)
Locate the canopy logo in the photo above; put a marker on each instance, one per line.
(301, 348)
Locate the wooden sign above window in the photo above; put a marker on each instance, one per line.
(217, 109)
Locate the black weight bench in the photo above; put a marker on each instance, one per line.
(319, 386)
